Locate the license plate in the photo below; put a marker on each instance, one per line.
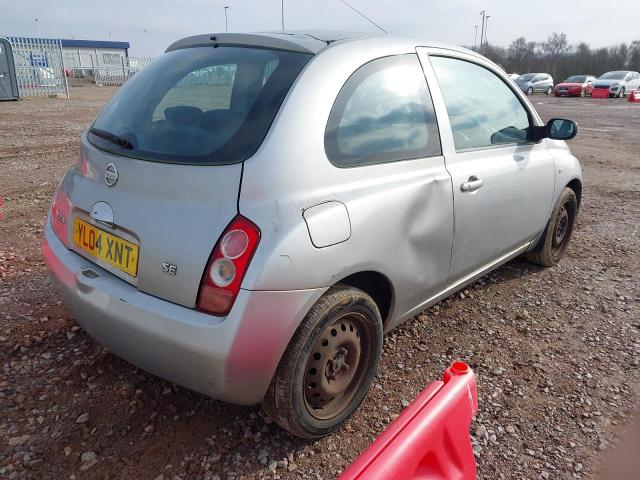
(113, 250)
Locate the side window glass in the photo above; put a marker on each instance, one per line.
(495, 116)
(382, 114)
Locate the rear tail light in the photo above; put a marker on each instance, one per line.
(60, 214)
(82, 164)
(227, 266)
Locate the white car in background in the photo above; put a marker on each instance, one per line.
(619, 82)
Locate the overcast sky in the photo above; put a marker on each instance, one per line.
(450, 21)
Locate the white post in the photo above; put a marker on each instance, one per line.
(64, 70)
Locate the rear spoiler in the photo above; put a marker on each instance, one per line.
(430, 438)
(268, 42)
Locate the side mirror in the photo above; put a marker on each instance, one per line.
(555, 129)
(561, 129)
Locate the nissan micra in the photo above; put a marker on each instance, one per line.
(251, 212)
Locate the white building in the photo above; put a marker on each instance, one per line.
(86, 55)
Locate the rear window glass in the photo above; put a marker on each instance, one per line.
(200, 105)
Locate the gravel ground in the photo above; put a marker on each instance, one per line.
(556, 351)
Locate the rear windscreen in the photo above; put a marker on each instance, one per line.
(201, 105)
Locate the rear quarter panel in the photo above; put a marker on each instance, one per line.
(401, 213)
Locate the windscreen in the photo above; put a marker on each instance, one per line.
(576, 79)
(201, 105)
(614, 76)
(526, 77)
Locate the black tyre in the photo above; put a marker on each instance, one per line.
(621, 94)
(530, 91)
(329, 365)
(549, 90)
(551, 247)
(583, 92)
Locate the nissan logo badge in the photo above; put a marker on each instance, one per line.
(110, 175)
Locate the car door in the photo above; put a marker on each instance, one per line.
(541, 84)
(502, 182)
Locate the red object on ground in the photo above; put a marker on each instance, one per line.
(634, 96)
(600, 93)
(430, 438)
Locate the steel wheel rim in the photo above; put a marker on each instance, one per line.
(337, 366)
(561, 230)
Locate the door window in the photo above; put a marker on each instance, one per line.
(383, 113)
(483, 110)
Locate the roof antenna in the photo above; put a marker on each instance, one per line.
(363, 15)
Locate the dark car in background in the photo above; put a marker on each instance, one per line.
(531, 83)
(575, 86)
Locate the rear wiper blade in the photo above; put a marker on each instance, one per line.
(112, 137)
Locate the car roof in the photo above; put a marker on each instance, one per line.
(310, 42)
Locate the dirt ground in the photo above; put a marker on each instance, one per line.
(556, 351)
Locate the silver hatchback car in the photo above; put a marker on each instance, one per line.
(250, 213)
(531, 83)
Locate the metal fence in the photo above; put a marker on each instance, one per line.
(40, 67)
(110, 74)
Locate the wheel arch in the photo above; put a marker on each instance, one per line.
(377, 286)
(576, 186)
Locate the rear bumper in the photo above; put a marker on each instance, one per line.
(231, 358)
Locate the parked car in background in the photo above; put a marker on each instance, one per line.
(575, 86)
(531, 83)
(248, 241)
(618, 82)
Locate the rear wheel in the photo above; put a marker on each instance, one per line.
(549, 90)
(530, 91)
(327, 369)
(554, 241)
(582, 92)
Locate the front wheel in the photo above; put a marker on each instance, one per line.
(621, 93)
(327, 368)
(530, 91)
(583, 92)
(551, 247)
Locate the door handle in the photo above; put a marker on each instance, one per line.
(471, 185)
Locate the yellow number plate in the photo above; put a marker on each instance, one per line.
(110, 249)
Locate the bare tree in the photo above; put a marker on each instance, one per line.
(557, 57)
(555, 45)
(521, 54)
